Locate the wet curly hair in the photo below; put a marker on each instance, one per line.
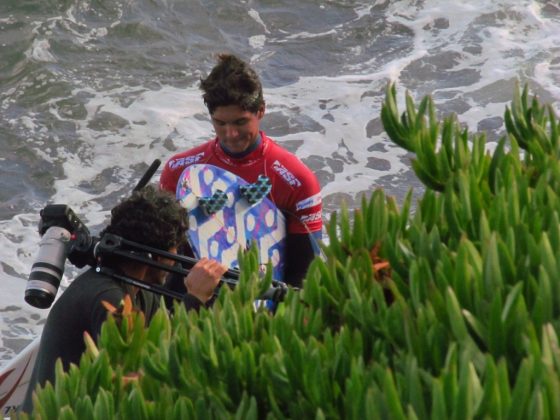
(232, 82)
(150, 217)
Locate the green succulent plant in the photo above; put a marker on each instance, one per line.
(450, 311)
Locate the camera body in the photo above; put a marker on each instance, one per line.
(63, 236)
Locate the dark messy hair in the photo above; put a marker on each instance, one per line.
(232, 82)
(150, 217)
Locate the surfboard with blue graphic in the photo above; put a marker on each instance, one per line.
(226, 213)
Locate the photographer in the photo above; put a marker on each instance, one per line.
(150, 217)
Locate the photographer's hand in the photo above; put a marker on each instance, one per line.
(203, 278)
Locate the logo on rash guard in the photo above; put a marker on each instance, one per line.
(186, 161)
(287, 175)
(309, 202)
(309, 218)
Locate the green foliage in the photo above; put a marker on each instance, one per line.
(448, 313)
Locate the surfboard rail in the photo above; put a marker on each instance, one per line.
(15, 377)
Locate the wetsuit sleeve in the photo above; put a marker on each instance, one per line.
(192, 303)
(300, 251)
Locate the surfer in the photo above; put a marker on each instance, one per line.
(233, 94)
(150, 217)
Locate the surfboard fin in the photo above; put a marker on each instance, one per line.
(215, 203)
(255, 192)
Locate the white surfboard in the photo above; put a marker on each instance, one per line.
(15, 376)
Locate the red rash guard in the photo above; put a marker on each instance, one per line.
(295, 189)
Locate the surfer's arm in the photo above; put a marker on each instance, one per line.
(167, 180)
(301, 248)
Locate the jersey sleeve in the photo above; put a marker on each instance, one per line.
(307, 204)
(168, 179)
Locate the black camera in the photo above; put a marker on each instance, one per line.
(63, 236)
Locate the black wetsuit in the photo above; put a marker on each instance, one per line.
(79, 309)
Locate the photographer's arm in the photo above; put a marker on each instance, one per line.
(201, 282)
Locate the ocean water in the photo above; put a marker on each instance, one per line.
(92, 91)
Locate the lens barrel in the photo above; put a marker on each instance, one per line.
(48, 268)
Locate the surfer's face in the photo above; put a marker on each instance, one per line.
(236, 129)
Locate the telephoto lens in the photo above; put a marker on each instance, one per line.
(48, 268)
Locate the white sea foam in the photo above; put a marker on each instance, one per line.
(40, 51)
(257, 17)
(257, 41)
(19, 322)
(143, 125)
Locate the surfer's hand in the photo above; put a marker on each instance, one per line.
(203, 278)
